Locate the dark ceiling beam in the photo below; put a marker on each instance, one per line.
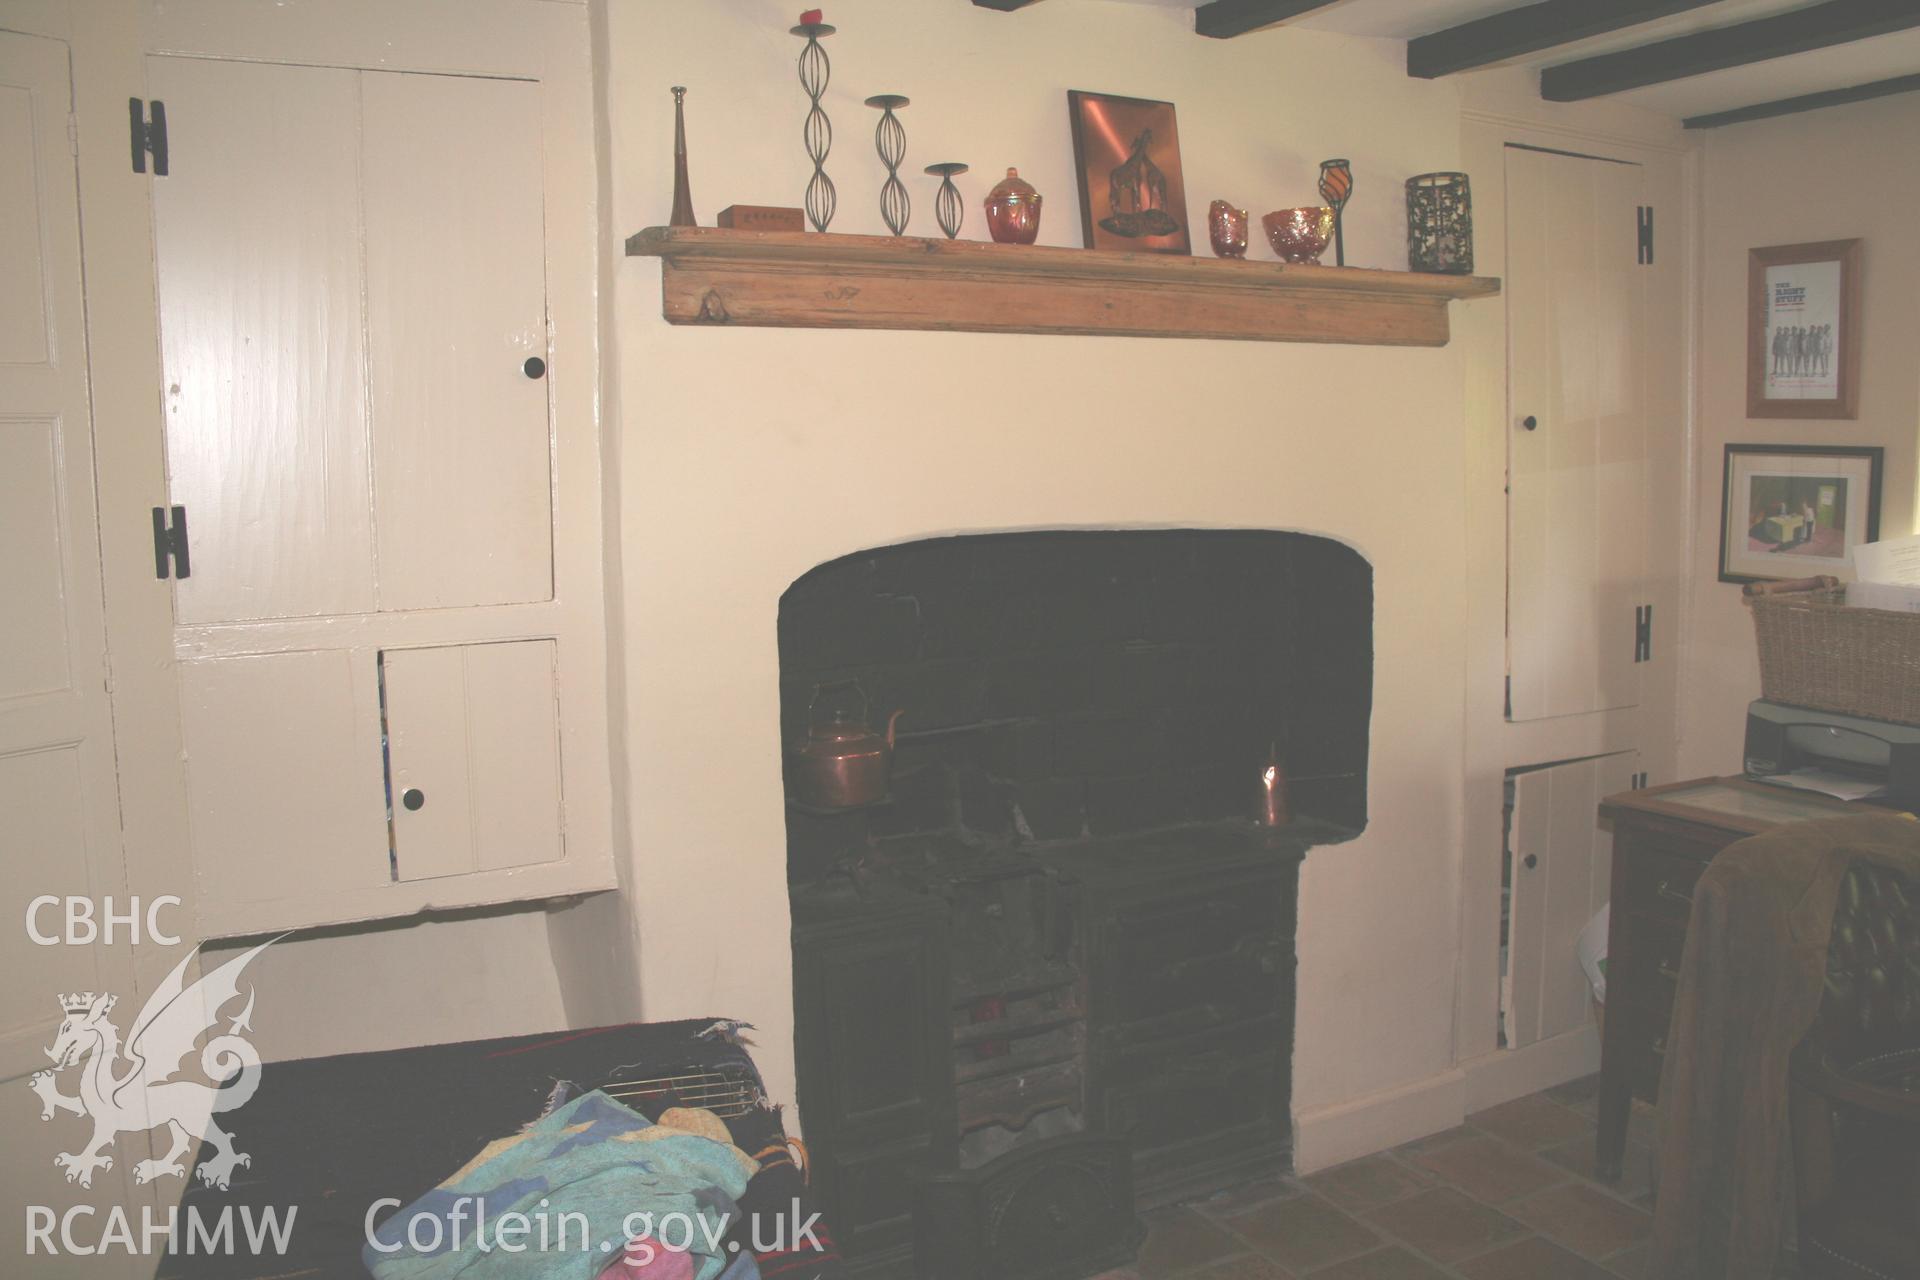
(1805, 102)
(1823, 25)
(1500, 36)
(1004, 6)
(1225, 18)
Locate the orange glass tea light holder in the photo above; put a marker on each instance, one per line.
(1300, 235)
(1227, 229)
(1013, 210)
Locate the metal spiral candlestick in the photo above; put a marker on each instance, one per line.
(948, 211)
(890, 140)
(817, 133)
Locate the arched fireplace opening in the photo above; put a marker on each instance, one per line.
(1049, 932)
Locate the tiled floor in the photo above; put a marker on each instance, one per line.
(1507, 1196)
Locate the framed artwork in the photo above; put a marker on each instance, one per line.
(1126, 155)
(1793, 511)
(1803, 330)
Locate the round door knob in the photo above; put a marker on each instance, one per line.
(535, 367)
(1532, 860)
(1530, 422)
(413, 797)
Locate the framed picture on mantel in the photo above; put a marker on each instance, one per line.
(1803, 330)
(1126, 155)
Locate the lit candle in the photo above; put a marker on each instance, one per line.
(1273, 796)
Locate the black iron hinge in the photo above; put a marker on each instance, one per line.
(1643, 633)
(147, 127)
(1644, 218)
(170, 544)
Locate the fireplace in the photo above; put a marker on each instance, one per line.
(1050, 974)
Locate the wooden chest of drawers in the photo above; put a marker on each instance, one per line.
(1663, 838)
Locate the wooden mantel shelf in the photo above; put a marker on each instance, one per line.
(805, 280)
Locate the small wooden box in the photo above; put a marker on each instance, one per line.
(762, 217)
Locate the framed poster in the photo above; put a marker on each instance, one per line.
(1803, 331)
(1793, 511)
(1126, 158)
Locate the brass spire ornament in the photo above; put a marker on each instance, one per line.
(682, 215)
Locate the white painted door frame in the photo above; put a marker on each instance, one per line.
(1493, 743)
(61, 839)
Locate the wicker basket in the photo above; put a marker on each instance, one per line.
(1816, 651)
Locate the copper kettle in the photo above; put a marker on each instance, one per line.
(842, 763)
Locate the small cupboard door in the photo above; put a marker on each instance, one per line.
(1562, 861)
(456, 311)
(874, 1050)
(257, 231)
(1577, 434)
(284, 782)
(352, 286)
(473, 748)
(327, 775)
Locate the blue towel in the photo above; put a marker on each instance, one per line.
(594, 1161)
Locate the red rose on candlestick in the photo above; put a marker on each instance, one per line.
(810, 17)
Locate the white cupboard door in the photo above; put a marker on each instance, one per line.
(473, 742)
(456, 301)
(258, 245)
(1577, 485)
(59, 800)
(352, 281)
(1562, 864)
(284, 786)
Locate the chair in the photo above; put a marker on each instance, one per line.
(1855, 1089)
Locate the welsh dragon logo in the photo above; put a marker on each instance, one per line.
(143, 1094)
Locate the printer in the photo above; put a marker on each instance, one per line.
(1781, 739)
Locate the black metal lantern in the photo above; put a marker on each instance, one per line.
(1440, 224)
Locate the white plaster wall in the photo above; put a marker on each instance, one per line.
(750, 456)
(438, 980)
(1824, 175)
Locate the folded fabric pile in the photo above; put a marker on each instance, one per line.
(561, 1199)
